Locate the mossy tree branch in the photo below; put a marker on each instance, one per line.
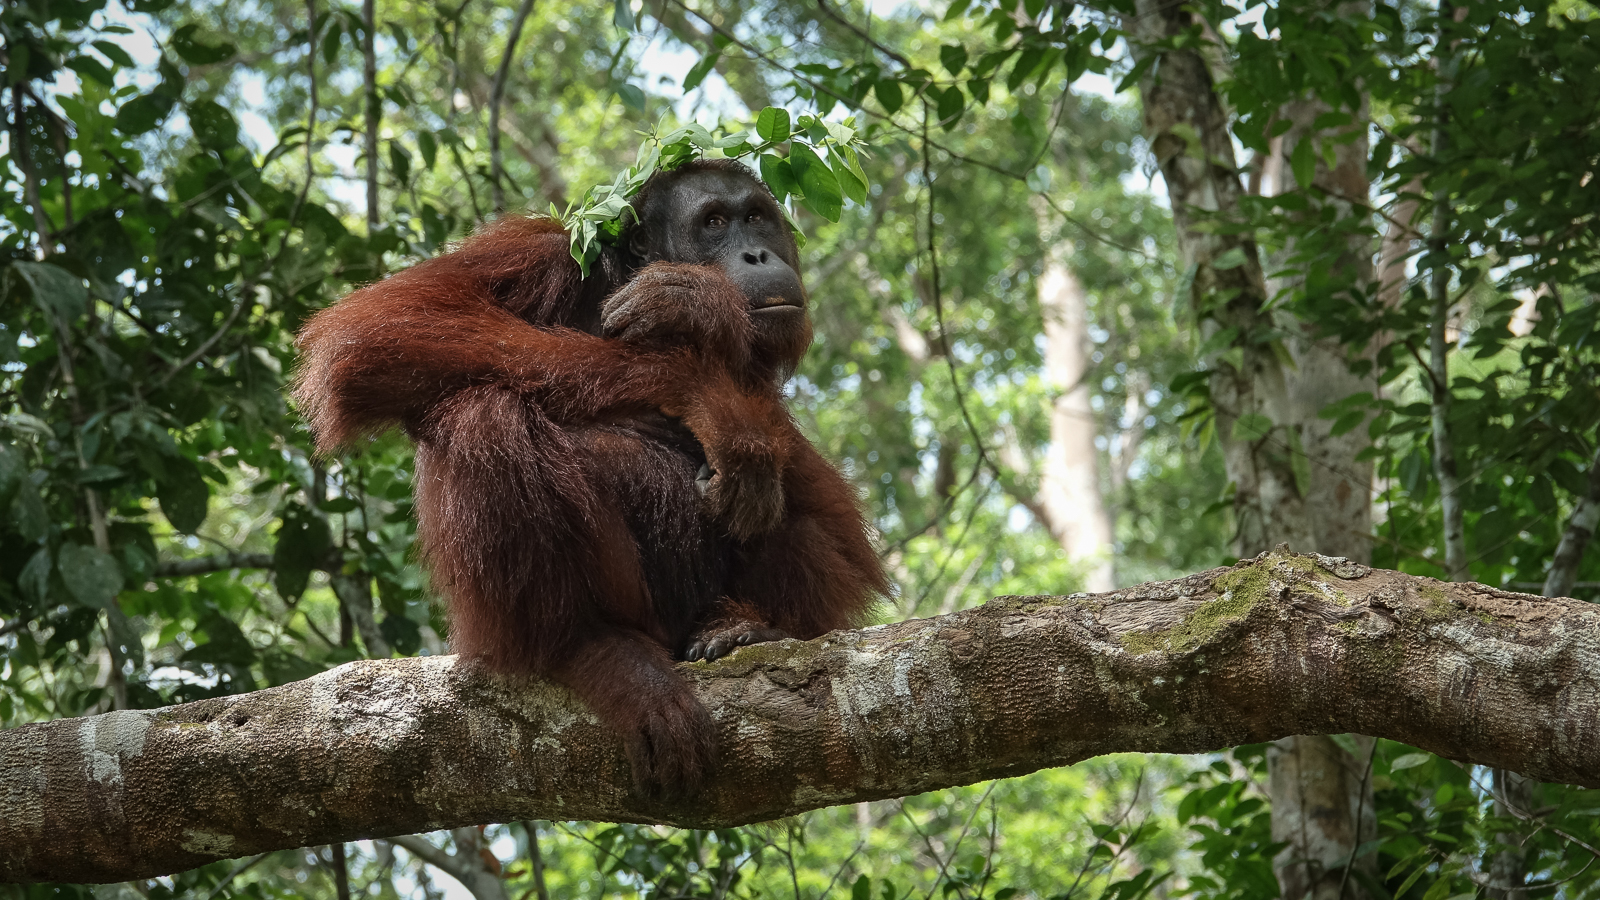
(1279, 645)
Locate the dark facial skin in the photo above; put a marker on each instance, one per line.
(724, 217)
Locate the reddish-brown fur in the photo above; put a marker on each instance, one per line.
(557, 509)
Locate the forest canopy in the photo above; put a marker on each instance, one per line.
(1113, 293)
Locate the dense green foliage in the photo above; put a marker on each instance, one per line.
(184, 182)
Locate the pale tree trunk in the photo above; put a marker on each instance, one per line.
(1187, 126)
(471, 864)
(369, 79)
(1069, 487)
(1321, 794)
(1280, 645)
(1293, 479)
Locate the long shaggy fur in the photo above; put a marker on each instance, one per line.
(556, 491)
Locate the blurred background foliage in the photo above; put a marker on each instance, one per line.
(184, 182)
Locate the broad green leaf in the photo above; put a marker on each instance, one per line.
(89, 67)
(1232, 258)
(631, 96)
(953, 57)
(852, 187)
(622, 15)
(699, 71)
(1409, 761)
(55, 290)
(183, 496)
(428, 147)
(193, 49)
(13, 468)
(773, 124)
(143, 113)
(779, 176)
(214, 127)
(1303, 162)
(952, 103)
(303, 544)
(35, 576)
(28, 512)
(889, 95)
(1251, 427)
(92, 577)
(819, 189)
(114, 53)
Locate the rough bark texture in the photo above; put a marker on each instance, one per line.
(1281, 645)
(1321, 795)
(1187, 126)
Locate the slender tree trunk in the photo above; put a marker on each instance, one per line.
(1187, 126)
(1321, 795)
(369, 77)
(341, 872)
(497, 93)
(1575, 539)
(536, 861)
(1069, 491)
(1281, 457)
(1444, 452)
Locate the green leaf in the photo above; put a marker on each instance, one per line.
(13, 468)
(330, 43)
(183, 496)
(303, 544)
(699, 71)
(773, 124)
(34, 580)
(630, 94)
(225, 644)
(1039, 179)
(1251, 427)
(889, 95)
(114, 53)
(1409, 761)
(952, 103)
(28, 512)
(622, 15)
(400, 162)
(862, 889)
(819, 189)
(779, 176)
(429, 148)
(1232, 258)
(953, 57)
(55, 290)
(213, 126)
(143, 113)
(92, 577)
(92, 68)
(192, 49)
(853, 187)
(1348, 421)
(1303, 162)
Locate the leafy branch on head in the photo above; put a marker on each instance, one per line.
(814, 161)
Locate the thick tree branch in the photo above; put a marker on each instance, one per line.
(1277, 646)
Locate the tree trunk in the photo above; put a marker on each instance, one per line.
(1187, 126)
(1321, 795)
(1069, 491)
(1281, 645)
